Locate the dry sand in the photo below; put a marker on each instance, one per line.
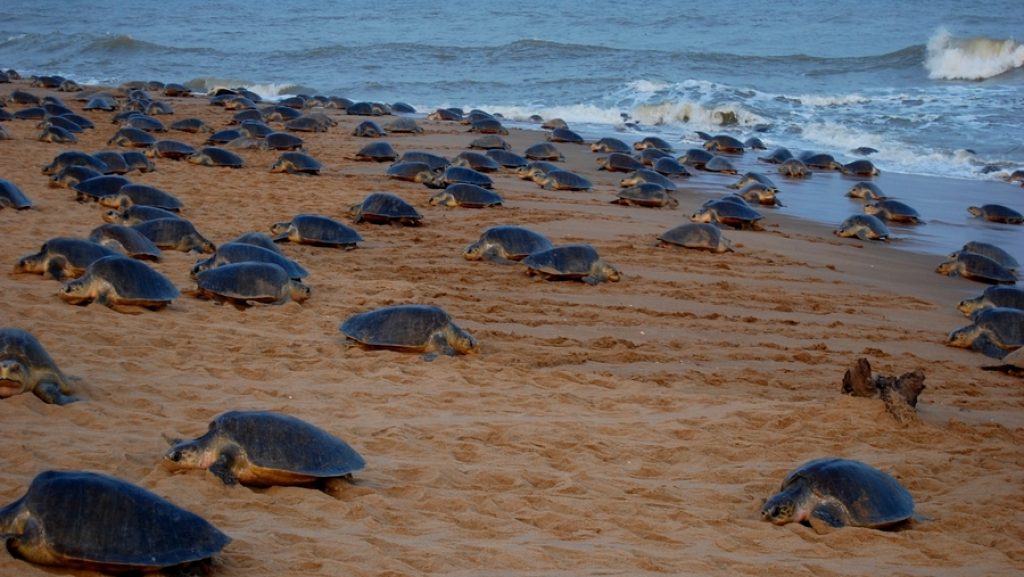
(630, 428)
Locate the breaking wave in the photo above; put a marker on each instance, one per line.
(951, 58)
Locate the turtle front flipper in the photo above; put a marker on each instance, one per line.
(30, 545)
(56, 267)
(224, 466)
(50, 392)
(827, 516)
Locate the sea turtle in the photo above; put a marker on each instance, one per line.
(860, 168)
(506, 158)
(652, 142)
(136, 160)
(794, 168)
(477, 161)
(490, 142)
(121, 283)
(867, 191)
(725, 144)
(133, 194)
(753, 178)
(404, 124)
(609, 145)
(369, 129)
(536, 169)
(172, 149)
(132, 137)
(698, 235)
(316, 230)
(63, 258)
(385, 208)
(460, 174)
(646, 194)
(669, 166)
(368, 109)
(99, 187)
(830, 493)
(619, 162)
(864, 227)
(506, 244)
(296, 163)
(215, 156)
(256, 129)
(260, 239)
(264, 448)
(402, 108)
(191, 125)
(307, 123)
(997, 213)
(994, 296)
(232, 252)
(114, 161)
(646, 175)
(223, 136)
(553, 123)
(466, 195)
(26, 366)
(562, 180)
(976, 267)
(893, 211)
(137, 213)
(564, 135)
(434, 161)
(282, 141)
(410, 327)
(379, 151)
(649, 155)
(74, 158)
(543, 151)
(755, 143)
(83, 520)
(738, 216)
(991, 251)
(820, 160)
(126, 240)
(247, 282)
(411, 171)
(488, 126)
(570, 262)
(12, 196)
(761, 194)
(994, 332)
(174, 233)
(143, 122)
(695, 157)
(445, 114)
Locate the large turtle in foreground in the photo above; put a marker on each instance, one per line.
(26, 366)
(63, 258)
(994, 296)
(570, 262)
(976, 267)
(830, 493)
(86, 520)
(995, 332)
(506, 244)
(418, 328)
(263, 448)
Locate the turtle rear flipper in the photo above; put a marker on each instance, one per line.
(827, 516)
(50, 392)
(224, 466)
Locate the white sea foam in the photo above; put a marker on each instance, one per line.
(696, 115)
(951, 58)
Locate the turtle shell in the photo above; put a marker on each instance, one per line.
(224, 136)
(404, 125)
(698, 235)
(725, 144)
(21, 347)
(434, 161)
(192, 125)
(377, 151)
(669, 166)
(997, 213)
(649, 176)
(866, 190)
(412, 171)
(646, 194)
(872, 497)
(280, 447)
(860, 168)
(467, 195)
(977, 267)
(619, 162)
(72, 175)
(305, 124)
(100, 522)
(250, 281)
(282, 141)
(994, 296)
(563, 180)
(174, 233)
(125, 239)
(994, 331)
(11, 195)
(506, 158)
(820, 160)
(893, 210)
(560, 134)
(508, 243)
(259, 239)
(462, 174)
(138, 213)
(652, 142)
(649, 155)
(296, 163)
(610, 145)
(369, 129)
(120, 280)
(214, 156)
(490, 142)
(695, 157)
(476, 161)
(173, 149)
(385, 208)
(794, 168)
(98, 187)
(568, 262)
(993, 252)
(864, 226)
(728, 213)
(316, 230)
(140, 194)
(409, 327)
(132, 137)
(543, 151)
(114, 161)
(720, 164)
(63, 257)
(233, 252)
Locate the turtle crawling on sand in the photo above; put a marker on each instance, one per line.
(89, 521)
(418, 328)
(994, 296)
(26, 366)
(263, 448)
(830, 493)
(996, 213)
(864, 227)
(121, 283)
(994, 332)
(244, 283)
(976, 267)
(571, 262)
(697, 235)
(506, 244)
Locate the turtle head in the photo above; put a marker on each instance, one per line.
(444, 198)
(968, 306)
(779, 509)
(77, 292)
(31, 263)
(474, 251)
(974, 210)
(702, 215)
(961, 337)
(186, 455)
(299, 292)
(870, 209)
(114, 217)
(12, 378)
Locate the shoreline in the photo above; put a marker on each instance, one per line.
(628, 428)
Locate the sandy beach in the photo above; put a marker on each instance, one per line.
(629, 428)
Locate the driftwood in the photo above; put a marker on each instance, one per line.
(898, 393)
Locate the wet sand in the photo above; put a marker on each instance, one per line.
(629, 428)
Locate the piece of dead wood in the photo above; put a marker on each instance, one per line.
(898, 393)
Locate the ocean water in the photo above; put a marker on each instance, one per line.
(936, 86)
